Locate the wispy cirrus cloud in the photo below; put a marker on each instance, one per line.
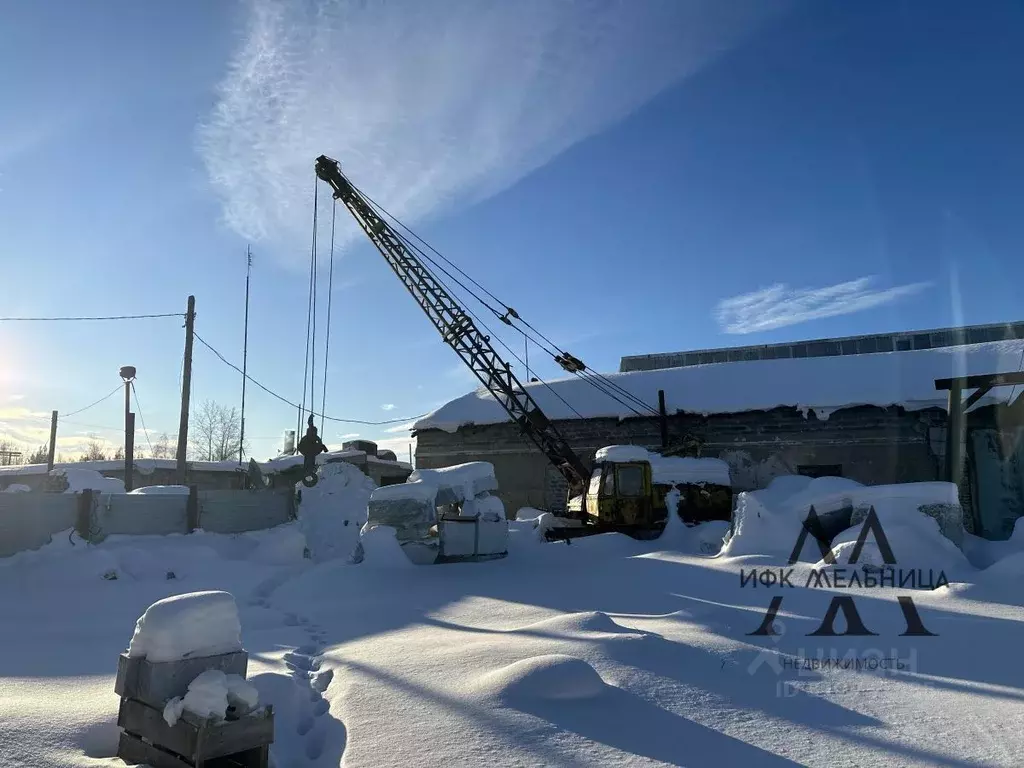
(429, 104)
(780, 305)
(388, 407)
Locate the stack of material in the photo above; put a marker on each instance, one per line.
(444, 514)
(184, 697)
(411, 510)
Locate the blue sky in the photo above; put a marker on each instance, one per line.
(632, 177)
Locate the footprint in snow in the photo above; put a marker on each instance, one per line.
(321, 680)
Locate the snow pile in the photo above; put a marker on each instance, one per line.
(621, 453)
(911, 514)
(914, 538)
(460, 482)
(1008, 570)
(193, 624)
(769, 521)
(679, 470)
(332, 512)
(283, 545)
(17, 488)
(209, 696)
(703, 539)
(486, 506)
(161, 490)
(79, 480)
(380, 548)
(984, 553)
(551, 677)
(823, 383)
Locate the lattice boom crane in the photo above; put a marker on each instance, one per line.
(458, 329)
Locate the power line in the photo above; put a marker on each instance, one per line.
(142, 418)
(288, 402)
(107, 396)
(62, 420)
(108, 317)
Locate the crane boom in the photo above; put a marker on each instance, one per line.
(458, 329)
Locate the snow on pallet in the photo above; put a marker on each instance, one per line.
(184, 698)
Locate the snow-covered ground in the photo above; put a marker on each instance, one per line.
(606, 651)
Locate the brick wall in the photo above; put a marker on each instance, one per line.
(873, 445)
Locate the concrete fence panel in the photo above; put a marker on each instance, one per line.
(139, 515)
(28, 520)
(239, 511)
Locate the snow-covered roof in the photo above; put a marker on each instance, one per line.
(824, 383)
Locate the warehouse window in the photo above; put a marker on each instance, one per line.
(820, 470)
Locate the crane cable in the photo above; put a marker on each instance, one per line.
(494, 336)
(309, 305)
(608, 389)
(607, 386)
(330, 297)
(413, 247)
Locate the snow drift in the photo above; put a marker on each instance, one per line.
(769, 521)
(332, 512)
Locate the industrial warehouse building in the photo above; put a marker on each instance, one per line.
(866, 408)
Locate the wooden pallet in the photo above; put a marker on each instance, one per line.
(192, 742)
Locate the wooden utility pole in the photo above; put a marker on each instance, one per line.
(129, 451)
(186, 388)
(53, 442)
(128, 375)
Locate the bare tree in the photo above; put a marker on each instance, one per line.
(215, 432)
(119, 454)
(93, 452)
(162, 448)
(39, 455)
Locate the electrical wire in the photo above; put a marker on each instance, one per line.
(142, 418)
(288, 402)
(61, 420)
(107, 396)
(108, 317)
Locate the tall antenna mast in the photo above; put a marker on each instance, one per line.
(245, 352)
